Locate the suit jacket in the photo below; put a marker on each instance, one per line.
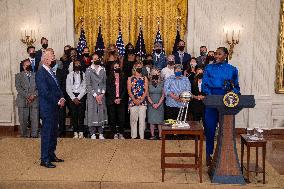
(49, 93)
(35, 68)
(25, 87)
(38, 56)
(185, 61)
(160, 62)
(111, 90)
(201, 60)
(61, 78)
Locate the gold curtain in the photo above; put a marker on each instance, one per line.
(129, 11)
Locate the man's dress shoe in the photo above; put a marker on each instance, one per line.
(56, 160)
(47, 164)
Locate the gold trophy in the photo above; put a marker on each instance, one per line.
(185, 97)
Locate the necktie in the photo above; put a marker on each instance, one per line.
(53, 76)
(203, 58)
(33, 64)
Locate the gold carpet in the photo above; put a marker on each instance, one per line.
(107, 164)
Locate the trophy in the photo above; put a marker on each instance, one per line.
(185, 97)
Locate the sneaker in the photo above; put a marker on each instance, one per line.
(93, 136)
(101, 136)
(76, 135)
(115, 136)
(121, 136)
(81, 135)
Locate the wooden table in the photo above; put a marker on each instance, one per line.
(245, 140)
(196, 130)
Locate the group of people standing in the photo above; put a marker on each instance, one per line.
(104, 90)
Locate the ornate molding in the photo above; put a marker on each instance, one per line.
(279, 83)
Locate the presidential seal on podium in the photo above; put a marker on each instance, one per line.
(231, 99)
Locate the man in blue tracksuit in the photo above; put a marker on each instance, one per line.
(218, 78)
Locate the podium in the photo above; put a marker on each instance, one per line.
(225, 167)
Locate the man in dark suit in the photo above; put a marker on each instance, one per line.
(159, 57)
(39, 53)
(202, 58)
(34, 63)
(50, 97)
(182, 57)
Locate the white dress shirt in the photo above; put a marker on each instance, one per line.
(76, 85)
(167, 72)
(199, 85)
(158, 56)
(32, 60)
(181, 55)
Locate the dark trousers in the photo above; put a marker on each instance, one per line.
(171, 112)
(210, 123)
(116, 117)
(61, 121)
(78, 115)
(197, 116)
(197, 110)
(49, 136)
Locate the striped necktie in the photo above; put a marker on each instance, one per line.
(54, 77)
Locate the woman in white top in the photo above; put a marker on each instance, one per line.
(76, 90)
(169, 70)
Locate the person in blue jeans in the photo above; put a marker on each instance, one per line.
(218, 78)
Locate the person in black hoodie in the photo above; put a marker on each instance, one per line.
(116, 100)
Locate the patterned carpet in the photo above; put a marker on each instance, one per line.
(107, 164)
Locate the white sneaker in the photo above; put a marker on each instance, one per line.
(75, 135)
(121, 136)
(115, 136)
(93, 136)
(81, 135)
(101, 136)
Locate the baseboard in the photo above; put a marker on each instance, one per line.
(8, 130)
(278, 132)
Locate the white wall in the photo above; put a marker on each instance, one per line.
(50, 18)
(255, 55)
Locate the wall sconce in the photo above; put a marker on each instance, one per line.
(232, 41)
(28, 36)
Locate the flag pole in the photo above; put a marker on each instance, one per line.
(140, 28)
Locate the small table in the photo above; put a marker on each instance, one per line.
(195, 129)
(245, 140)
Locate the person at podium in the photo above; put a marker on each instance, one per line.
(218, 79)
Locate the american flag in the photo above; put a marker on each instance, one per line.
(175, 49)
(100, 47)
(120, 45)
(82, 42)
(140, 45)
(160, 40)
